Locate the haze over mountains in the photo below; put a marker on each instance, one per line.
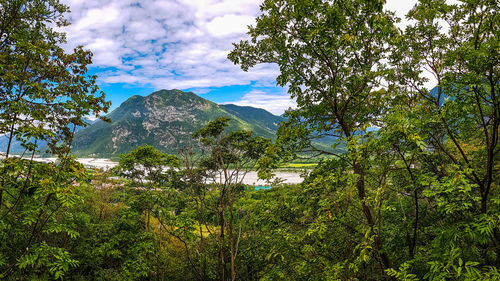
(165, 119)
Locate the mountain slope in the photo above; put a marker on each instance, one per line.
(165, 119)
(254, 115)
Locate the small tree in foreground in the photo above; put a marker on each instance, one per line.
(229, 156)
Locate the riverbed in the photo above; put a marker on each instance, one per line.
(251, 178)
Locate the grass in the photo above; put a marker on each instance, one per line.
(300, 165)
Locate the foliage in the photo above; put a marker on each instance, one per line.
(45, 94)
(145, 163)
(420, 167)
(408, 190)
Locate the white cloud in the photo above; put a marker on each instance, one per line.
(166, 43)
(206, 10)
(229, 24)
(274, 103)
(97, 18)
(175, 43)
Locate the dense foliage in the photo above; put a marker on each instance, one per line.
(422, 189)
(413, 196)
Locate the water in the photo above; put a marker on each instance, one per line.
(261, 187)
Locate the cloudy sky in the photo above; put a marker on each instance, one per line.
(147, 45)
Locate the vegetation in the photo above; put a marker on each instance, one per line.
(409, 190)
(415, 199)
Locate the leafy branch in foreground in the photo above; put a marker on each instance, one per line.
(45, 93)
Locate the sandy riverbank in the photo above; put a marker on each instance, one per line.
(251, 177)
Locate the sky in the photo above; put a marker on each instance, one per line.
(148, 45)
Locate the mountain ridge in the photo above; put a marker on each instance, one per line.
(165, 119)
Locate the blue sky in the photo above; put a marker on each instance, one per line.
(148, 45)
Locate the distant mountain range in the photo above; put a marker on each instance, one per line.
(165, 119)
(17, 148)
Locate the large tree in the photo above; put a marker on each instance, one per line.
(447, 137)
(229, 157)
(426, 178)
(330, 54)
(45, 93)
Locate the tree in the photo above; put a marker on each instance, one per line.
(430, 168)
(229, 157)
(149, 170)
(45, 94)
(147, 166)
(447, 137)
(464, 60)
(330, 55)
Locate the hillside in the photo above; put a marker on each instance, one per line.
(165, 119)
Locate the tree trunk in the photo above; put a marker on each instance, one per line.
(7, 156)
(231, 238)
(221, 237)
(384, 259)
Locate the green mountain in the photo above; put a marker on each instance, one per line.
(165, 119)
(252, 115)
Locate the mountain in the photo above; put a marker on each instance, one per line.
(165, 119)
(17, 148)
(254, 115)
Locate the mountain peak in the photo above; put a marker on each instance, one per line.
(165, 92)
(172, 92)
(176, 97)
